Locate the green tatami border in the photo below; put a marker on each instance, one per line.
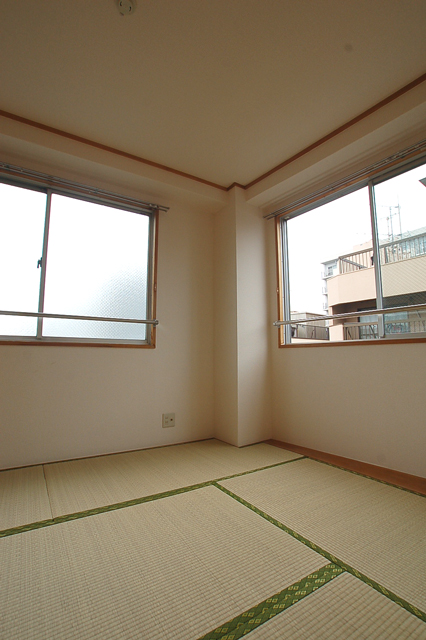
(98, 510)
(364, 475)
(357, 473)
(329, 556)
(242, 624)
(269, 466)
(31, 526)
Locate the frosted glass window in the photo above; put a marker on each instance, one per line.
(22, 214)
(97, 265)
(66, 256)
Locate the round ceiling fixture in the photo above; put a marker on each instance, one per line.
(126, 7)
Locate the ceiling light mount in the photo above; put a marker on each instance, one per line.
(126, 7)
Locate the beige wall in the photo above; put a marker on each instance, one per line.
(242, 366)
(364, 402)
(225, 324)
(210, 367)
(361, 402)
(216, 364)
(254, 371)
(65, 402)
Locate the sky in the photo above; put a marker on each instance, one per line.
(337, 227)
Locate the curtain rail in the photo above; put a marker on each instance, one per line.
(61, 185)
(350, 182)
(69, 317)
(352, 314)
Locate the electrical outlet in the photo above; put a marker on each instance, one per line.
(168, 420)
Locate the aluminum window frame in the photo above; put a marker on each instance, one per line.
(282, 216)
(37, 182)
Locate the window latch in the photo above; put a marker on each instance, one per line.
(39, 263)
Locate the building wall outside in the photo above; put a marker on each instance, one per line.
(398, 278)
(406, 276)
(355, 291)
(351, 287)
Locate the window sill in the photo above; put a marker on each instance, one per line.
(68, 343)
(354, 343)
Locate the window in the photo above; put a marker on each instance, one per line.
(354, 251)
(79, 268)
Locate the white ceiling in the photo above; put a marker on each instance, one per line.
(221, 89)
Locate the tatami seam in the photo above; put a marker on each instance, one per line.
(128, 503)
(32, 526)
(47, 490)
(363, 475)
(329, 556)
(254, 617)
(358, 473)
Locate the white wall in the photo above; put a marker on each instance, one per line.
(242, 365)
(225, 324)
(360, 402)
(211, 364)
(64, 402)
(364, 402)
(254, 370)
(216, 365)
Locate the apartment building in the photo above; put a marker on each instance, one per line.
(350, 286)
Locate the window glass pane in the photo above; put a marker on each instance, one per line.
(22, 214)
(401, 221)
(331, 268)
(96, 266)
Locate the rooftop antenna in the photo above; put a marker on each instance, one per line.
(394, 210)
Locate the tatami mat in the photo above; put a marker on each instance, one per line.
(344, 609)
(375, 528)
(81, 485)
(173, 568)
(23, 497)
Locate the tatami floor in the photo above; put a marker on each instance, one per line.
(205, 540)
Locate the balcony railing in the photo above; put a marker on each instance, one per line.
(403, 249)
(360, 331)
(355, 261)
(309, 332)
(369, 330)
(395, 251)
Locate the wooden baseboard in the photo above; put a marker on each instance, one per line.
(397, 478)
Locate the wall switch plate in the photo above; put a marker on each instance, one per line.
(168, 420)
